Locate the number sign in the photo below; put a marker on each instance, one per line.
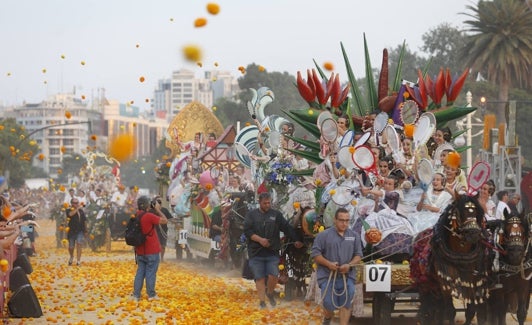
(378, 278)
(183, 236)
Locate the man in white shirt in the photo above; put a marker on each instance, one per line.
(119, 197)
(69, 196)
(503, 198)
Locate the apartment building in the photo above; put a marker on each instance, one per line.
(171, 95)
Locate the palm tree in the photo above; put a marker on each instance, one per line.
(499, 45)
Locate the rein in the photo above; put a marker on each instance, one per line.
(529, 263)
(334, 293)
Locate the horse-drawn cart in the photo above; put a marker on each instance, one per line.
(385, 287)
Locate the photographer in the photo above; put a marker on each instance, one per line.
(162, 229)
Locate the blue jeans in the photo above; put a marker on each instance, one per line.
(146, 269)
(340, 298)
(78, 238)
(263, 266)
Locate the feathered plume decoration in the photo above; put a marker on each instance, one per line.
(261, 98)
(454, 159)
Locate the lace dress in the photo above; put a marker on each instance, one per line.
(397, 232)
(424, 219)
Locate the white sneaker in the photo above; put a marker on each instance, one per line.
(136, 299)
(153, 298)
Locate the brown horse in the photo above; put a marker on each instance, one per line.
(513, 268)
(296, 260)
(453, 264)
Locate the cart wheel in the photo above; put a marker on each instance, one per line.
(382, 309)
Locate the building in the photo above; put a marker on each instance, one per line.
(63, 125)
(184, 87)
(148, 129)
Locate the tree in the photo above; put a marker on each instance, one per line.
(411, 63)
(229, 112)
(499, 45)
(443, 44)
(139, 172)
(281, 84)
(16, 152)
(71, 166)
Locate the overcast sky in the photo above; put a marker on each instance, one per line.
(281, 35)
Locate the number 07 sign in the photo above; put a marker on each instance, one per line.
(378, 277)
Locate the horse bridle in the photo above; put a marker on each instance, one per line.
(516, 238)
(470, 223)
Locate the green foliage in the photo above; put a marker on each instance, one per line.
(16, 152)
(71, 166)
(37, 172)
(139, 172)
(499, 45)
(409, 61)
(228, 112)
(282, 85)
(442, 44)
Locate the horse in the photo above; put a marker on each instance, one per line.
(512, 261)
(449, 261)
(234, 224)
(296, 260)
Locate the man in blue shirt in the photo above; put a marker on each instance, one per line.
(336, 250)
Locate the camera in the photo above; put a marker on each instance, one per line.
(154, 202)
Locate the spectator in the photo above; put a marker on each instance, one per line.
(162, 229)
(119, 197)
(147, 255)
(512, 204)
(82, 197)
(262, 227)
(502, 205)
(211, 141)
(77, 225)
(69, 196)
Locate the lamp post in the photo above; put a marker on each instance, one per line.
(469, 124)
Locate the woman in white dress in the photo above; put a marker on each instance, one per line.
(484, 199)
(431, 204)
(396, 230)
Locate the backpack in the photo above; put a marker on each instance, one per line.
(134, 235)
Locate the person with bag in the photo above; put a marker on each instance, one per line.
(262, 227)
(147, 254)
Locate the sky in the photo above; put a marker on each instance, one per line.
(120, 41)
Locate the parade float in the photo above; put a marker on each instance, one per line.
(297, 170)
(189, 192)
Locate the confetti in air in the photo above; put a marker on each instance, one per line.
(200, 22)
(192, 53)
(122, 147)
(213, 8)
(328, 66)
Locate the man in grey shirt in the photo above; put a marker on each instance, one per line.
(336, 250)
